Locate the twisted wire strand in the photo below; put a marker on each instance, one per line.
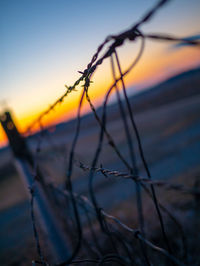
(144, 180)
(115, 41)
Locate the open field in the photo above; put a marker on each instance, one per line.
(170, 133)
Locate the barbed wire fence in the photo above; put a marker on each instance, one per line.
(128, 246)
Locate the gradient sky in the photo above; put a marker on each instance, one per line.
(44, 43)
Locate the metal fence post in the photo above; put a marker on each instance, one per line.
(57, 240)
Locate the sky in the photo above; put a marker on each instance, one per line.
(44, 43)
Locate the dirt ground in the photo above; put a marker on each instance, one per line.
(171, 139)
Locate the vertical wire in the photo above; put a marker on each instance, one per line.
(91, 176)
(32, 191)
(134, 169)
(69, 183)
(142, 154)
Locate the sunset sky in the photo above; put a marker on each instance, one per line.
(44, 43)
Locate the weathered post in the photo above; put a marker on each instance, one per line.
(24, 163)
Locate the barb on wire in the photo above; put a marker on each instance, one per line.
(144, 180)
(108, 223)
(117, 40)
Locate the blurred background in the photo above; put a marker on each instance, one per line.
(43, 46)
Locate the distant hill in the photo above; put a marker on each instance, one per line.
(181, 86)
(184, 85)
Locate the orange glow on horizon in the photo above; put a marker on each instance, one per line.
(158, 69)
(152, 69)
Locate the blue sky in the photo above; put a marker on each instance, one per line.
(44, 43)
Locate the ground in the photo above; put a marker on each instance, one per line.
(170, 134)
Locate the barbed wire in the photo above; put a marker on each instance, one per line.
(83, 200)
(113, 235)
(32, 194)
(159, 183)
(132, 34)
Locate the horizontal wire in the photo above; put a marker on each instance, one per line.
(158, 183)
(117, 40)
(136, 233)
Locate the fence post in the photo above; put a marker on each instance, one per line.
(57, 240)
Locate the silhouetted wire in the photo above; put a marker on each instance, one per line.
(92, 230)
(151, 13)
(85, 203)
(142, 180)
(177, 187)
(132, 34)
(124, 243)
(94, 162)
(103, 223)
(104, 109)
(98, 150)
(32, 191)
(171, 216)
(36, 235)
(99, 217)
(115, 234)
(142, 152)
(118, 236)
(134, 169)
(103, 123)
(118, 40)
(162, 207)
(168, 37)
(107, 230)
(99, 49)
(161, 250)
(110, 139)
(136, 233)
(70, 188)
